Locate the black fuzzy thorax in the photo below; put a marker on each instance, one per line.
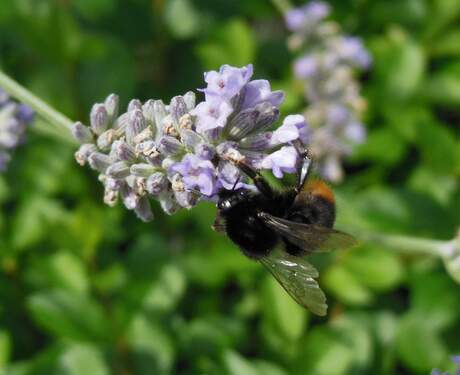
(247, 230)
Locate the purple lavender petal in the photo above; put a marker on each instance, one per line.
(196, 173)
(211, 114)
(228, 174)
(25, 114)
(259, 91)
(352, 50)
(281, 161)
(205, 151)
(331, 169)
(306, 67)
(228, 82)
(168, 203)
(295, 19)
(317, 10)
(355, 132)
(294, 127)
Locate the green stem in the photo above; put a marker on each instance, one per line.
(413, 245)
(51, 115)
(282, 5)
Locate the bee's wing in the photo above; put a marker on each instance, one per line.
(297, 277)
(311, 238)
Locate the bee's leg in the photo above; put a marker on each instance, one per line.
(261, 183)
(303, 165)
(219, 224)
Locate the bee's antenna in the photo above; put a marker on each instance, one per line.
(236, 183)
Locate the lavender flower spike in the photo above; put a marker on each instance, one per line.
(184, 152)
(14, 120)
(326, 65)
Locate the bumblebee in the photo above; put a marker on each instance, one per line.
(300, 219)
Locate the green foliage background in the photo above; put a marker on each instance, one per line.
(86, 289)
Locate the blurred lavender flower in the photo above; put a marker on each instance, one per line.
(182, 152)
(14, 119)
(327, 69)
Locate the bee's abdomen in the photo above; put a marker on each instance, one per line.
(315, 210)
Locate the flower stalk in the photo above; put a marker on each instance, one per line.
(448, 251)
(53, 118)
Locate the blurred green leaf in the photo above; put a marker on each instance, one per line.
(345, 286)
(376, 268)
(268, 368)
(324, 353)
(166, 291)
(438, 147)
(439, 186)
(152, 350)
(278, 304)
(110, 279)
(34, 219)
(82, 359)
(232, 44)
(442, 13)
(236, 364)
(355, 331)
(443, 87)
(210, 334)
(94, 9)
(70, 315)
(400, 64)
(377, 145)
(5, 349)
(418, 344)
(448, 45)
(183, 19)
(61, 270)
(435, 296)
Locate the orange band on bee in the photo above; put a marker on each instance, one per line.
(320, 189)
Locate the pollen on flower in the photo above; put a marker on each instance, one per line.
(184, 152)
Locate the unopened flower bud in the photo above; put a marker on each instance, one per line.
(99, 119)
(159, 113)
(111, 105)
(134, 104)
(170, 146)
(142, 169)
(82, 133)
(105, 140)
(85, 150)
(99, 161)
(143, 210)
(156, 183)
(136, 124)
(177, 108)
(118, 170)
(190, 99)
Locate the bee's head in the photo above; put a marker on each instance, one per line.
(230, 198)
